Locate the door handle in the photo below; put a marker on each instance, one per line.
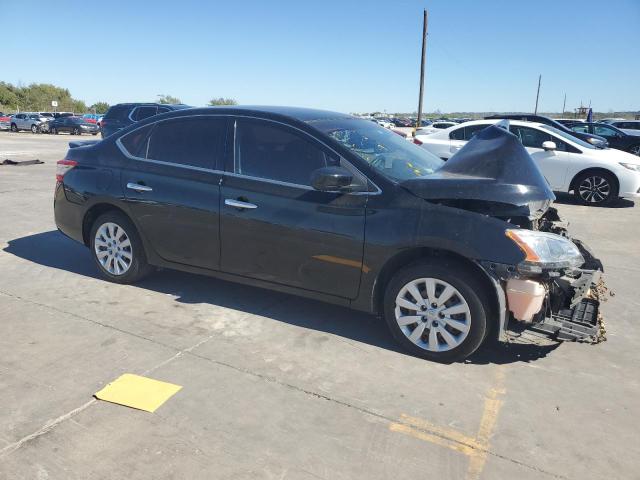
(239, 204)
(139, 188)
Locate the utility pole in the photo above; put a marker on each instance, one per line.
(538, 95)
(422, 61)
(564, 104)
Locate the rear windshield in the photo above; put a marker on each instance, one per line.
(118, 112)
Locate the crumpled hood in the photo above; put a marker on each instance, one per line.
(492, 174)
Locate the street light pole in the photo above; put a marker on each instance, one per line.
(538, 95)
(422, 62)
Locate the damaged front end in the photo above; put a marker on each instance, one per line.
(558, 287)
(560, 300)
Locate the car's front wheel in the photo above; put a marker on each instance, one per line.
(117, 249)
(34, 129)
(437, 309)
(635, 150)
(596, 188)
(14, 127)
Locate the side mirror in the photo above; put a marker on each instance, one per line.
(331, 179)
(549, 146)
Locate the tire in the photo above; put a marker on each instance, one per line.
(453, 339)
(94, 134)
(54, 131)
(596, 188)
(14, 128)
(76, 131)
(635, 150)
(131, 264)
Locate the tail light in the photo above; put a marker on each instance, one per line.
(63, 167)
(417, 142)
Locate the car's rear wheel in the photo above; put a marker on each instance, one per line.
(635, 150)
(76, 131)
(117, 249)
(437, 309)
(596, 188)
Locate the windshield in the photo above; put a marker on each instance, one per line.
(387, 152)
(569, 137)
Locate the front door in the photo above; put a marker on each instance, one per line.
(276, 227)
(172, 187)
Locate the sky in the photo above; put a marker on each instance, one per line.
(343, 55)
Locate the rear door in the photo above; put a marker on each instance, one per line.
(458, 138)
(20, 121)
(275, 226)
(172, 186)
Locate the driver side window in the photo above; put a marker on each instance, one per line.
(533, 138)
(604, 131)
(270, 151)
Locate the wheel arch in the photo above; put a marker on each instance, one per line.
(572, 185)
(414, 255)
(94, 212)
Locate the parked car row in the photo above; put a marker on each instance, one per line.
(50, 122)
(595, 175)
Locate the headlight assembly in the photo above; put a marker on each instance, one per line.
(545, 251)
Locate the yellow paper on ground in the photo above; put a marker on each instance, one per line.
(138, 392)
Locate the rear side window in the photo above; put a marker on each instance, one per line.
(137, 141)
(466, 133)
(118, 112)
(195, 141)
(141, 113)
(273, 152)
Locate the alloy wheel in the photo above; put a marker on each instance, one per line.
(594, 189)
(113, 248)
(433, 314)
(34, 129)
(635, 150)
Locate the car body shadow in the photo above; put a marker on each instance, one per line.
(54, 250)
(568, 199)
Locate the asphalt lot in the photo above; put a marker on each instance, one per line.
(279, 387)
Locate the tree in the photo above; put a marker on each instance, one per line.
(100, 107)
(222, 101)
(168, 99)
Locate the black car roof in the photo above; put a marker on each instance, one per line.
(151, 104)
(298, 113)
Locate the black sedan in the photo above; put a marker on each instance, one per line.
(616, 137)
(336, 208)
(73, 125)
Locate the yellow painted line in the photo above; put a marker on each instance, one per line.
(449, 433)
(427, 437)
(477, 447)
(492, 405)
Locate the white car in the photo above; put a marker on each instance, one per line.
(596, 176)
(433, 128)
(384, 123)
